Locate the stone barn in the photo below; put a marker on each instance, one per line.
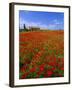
(34, 28)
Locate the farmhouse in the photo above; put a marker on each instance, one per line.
(34, 29)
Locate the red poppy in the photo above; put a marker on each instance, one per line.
(49, 73)
(42, 67)
(54, 58)
(62, 68)
(52, 63)
(38, 73)
(53, 68)
(32, 70)
(23, 68)
(24, 76)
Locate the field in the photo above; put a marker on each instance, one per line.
(41, 54)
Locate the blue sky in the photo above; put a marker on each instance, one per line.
(44, 20)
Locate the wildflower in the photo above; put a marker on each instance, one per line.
(49, 73)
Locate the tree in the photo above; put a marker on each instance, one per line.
(25, 29)
(24, 26)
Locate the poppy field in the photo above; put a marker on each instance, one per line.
(41, 54)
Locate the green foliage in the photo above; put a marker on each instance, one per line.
(32, 75)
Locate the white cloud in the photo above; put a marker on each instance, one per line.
(52, 26)
(57, 21)
(55, 25)
(34, 24)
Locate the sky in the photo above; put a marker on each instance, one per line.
(43, 20)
